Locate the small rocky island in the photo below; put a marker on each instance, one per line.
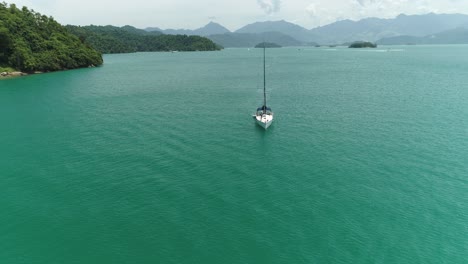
(362, 44)
(267, 45)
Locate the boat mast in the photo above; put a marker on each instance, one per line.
(264, 80)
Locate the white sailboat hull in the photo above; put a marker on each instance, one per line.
(264, 120)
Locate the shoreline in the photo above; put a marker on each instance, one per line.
(13, 74)
(6, 75)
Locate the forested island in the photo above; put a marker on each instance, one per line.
(31, 42)
(363, 44)
(267, 45)
(111, 39)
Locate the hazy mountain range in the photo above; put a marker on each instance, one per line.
(210, 29)
(454, 36)
(404, 29)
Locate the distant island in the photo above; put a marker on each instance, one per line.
(362, 44)
(31, 42)
(267, 45)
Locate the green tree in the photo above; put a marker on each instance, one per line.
(30, 42)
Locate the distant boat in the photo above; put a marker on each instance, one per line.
(264, 116)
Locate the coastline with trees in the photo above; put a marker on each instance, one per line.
(31, 42)
(34, 43)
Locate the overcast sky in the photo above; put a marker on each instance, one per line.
(232, 14)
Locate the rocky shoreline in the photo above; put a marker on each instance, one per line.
(5, 74)
(12, 74)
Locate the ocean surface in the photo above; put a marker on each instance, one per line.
(155, 158)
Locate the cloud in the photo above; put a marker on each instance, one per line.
(323, 12)
(270, 6)
(366, 2)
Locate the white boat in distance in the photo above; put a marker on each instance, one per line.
(264, 116)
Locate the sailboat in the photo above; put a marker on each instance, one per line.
(264, 116)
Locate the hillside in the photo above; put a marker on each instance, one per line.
(373, 29)
(399, 30)
(454, 36)
(111, 39)
(211, 28)
(295, 31)
(32, 42)
(369, 29)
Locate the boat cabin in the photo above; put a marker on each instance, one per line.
(264, 110)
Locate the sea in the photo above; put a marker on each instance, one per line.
(155, 158)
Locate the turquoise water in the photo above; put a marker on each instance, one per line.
(154, 158)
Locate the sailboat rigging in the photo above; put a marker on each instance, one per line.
(264, 114)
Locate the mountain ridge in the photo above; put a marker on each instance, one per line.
(454, 36)
(297, 32)
(373, 29)
(209, 29)
(345, 31)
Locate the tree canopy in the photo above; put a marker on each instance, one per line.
(111, 39)
(31, 42)
(362, 44)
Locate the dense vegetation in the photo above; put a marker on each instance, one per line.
(32, 42)
(267, 45)
(362, 44)
(110, 39)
